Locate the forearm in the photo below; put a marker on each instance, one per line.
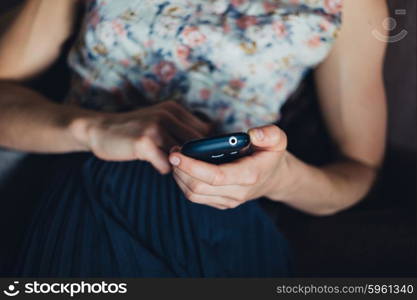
(30, 122)
(323, 190)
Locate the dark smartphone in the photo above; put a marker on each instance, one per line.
(219, 149)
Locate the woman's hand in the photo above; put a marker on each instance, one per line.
(229, 185)
(145, 134)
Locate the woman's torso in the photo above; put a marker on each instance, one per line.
(236, 61)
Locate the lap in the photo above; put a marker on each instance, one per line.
(125, 219)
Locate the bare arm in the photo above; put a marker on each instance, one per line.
(352, 98)
(29, 122)
(35, 37)
(33, 41)
(353, 103)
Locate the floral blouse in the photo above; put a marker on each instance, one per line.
(235, 61)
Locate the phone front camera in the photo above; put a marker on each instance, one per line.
(233, 141)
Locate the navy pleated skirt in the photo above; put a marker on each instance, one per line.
(112, 219)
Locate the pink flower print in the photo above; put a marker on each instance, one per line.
(118, 27)
(205, 94)
(324, 25)
(222, 112)
(279, 28)
(271, 66)
(125, 63)
(165, 70)
(270, 6)
(279, 86)
(238, 3)
(236, 84)
(246, 21)
(226, 27)
(150, 86)
(183, 52)
(314, 42)
(149, 43)
(193, 36)
(333, 6)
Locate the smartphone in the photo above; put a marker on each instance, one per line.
(219, 149)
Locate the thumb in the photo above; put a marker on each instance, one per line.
(268, 138)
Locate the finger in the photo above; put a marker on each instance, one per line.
(215, 201)
(182, 131)
(244, 171)
(168, 142)
(188, 195)
(162, 139)
(145, 149)
(234, 192)
(269, 138)
(182, 114)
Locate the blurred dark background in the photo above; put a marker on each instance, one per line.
(375, 238)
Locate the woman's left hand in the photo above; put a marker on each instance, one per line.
(232, 184)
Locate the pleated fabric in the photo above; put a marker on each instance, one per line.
(113, 219)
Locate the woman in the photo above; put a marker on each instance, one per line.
(143, 72)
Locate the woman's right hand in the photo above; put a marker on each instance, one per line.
(145, 134)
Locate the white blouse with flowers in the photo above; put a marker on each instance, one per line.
(236, 61)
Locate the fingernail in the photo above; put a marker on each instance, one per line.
(175, 160)
(259, 134)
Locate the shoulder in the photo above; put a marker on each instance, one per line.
(364, 14)
(362, 22)
(358, 45)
